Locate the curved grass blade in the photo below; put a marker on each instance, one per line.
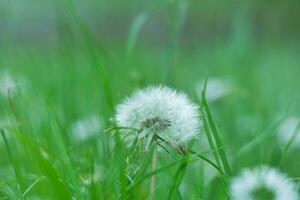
(13, 162)
(216, 135)
(138, 23)
(289, 144)
(178, 178)
(57, 182)
(32, 185)
(256, 141)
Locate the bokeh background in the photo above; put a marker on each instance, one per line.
(74, 59)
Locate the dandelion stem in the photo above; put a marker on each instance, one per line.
(152, 184)
(13, 110)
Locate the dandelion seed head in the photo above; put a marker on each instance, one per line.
(7, 85)
(287, 130)
(10, 85)
(216, 89)
(263, 183)
(86, 127)
(87, 179)
(166, 111)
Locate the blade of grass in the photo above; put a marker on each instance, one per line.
(215, 141)
(162, 169)
(61, 146)
(142, 169)
(289, 144)
(93, 49)
(177, 22)
(134, 31)
(13, 162)
(211, 143)
(139, 21)
(256, 141)
(57, 182)
(208, 131)
(32, 186)
(208, 161)
(217, 137)
(178, 178)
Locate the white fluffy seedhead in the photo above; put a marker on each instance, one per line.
(7, 85)
(289, 131)
(10, 85)
(216, 89)
(273, 183)
(86, 127)
(167, 112)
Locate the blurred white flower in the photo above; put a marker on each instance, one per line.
(263, 183)
(160, 111)
(10, 85)
(216, 89)
(7, 85)
(86, 127)
(288, 129)
(87, 179)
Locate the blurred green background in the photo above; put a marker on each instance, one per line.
(83, 57)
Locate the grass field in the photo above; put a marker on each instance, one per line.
(58, 134)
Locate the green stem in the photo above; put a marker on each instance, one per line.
(14, 163)
(216, 136)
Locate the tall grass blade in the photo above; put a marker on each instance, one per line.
(14, 163)
(289, 144)
(178, 178)
(217, 137)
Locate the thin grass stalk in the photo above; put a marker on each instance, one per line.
(289, 144)
(207, 130)
(211, 143)
(152, 182)
(93, 50)
(14, 163)
(178, 177)
(65, 154)
(137, 25)
(14, 111)
(177, 23)
(216, 136)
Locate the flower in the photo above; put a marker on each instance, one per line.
(216, 89)
(263, 183)
(289, 129)
(86, 127)
(10, 85)
(7, 85)
(161, 112)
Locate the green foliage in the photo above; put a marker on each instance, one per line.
(84, 72)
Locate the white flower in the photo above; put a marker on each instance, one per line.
(10, 85)
(263, 183)
(7, 85)
(86, 127)
(166, 112)
(287, 130)
(216, 89)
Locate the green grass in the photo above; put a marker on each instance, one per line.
(82, 75)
